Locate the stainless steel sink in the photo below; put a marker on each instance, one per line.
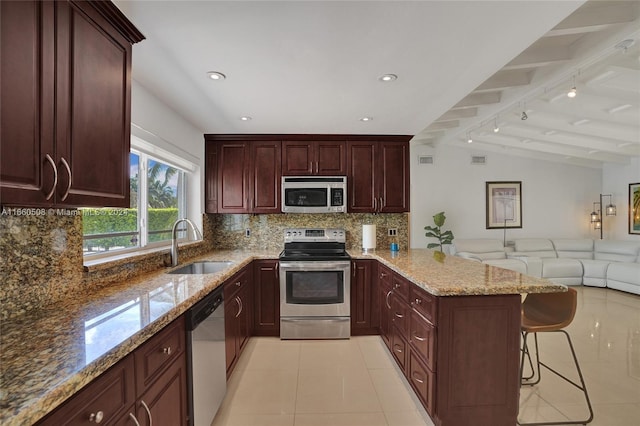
(208, 267)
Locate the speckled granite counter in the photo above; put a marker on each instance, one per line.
(446, 275)
(48, 355)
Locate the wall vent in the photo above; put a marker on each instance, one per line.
(479, 160)
(425, 159)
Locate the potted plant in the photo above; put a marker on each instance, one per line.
(444, 237)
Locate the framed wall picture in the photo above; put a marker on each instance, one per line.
(634, 208)
(504, 205)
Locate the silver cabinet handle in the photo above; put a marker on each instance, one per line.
(146, 407)
(66, 166)
(55, 177)
(238, 283)
(415, 377)
(421, 339)
(237, 299)
(381, 203)
(397, 349)
(134, 419)
(418, 301)
(167, 350)
(375, 205)
(398, 315)
(387, 301)
(96, 417)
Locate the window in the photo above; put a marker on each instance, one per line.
(157, 200)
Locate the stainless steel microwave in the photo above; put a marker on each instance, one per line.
(314, 194)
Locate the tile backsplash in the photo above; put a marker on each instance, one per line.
(267, 231)
(41, 259)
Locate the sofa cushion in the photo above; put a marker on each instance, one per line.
(624, 276)
(617, 251)
(574, 249)
(483, 249)
(595, 272)
(561, 268)
(539, 247)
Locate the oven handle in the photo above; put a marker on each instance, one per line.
(315, 265)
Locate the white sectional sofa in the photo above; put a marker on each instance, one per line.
(600, 263)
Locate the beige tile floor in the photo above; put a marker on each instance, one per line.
(356, 383)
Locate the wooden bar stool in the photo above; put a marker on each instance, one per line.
(549, 312)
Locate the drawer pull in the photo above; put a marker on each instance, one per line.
(416, 378)
(387, 299)
(134, 419)
(397, 349)
(421, 339)
(383, 274)
(167, 350)
(96, 417)
(418, 301)
(238, 284)
(398, 315)
(396, 285)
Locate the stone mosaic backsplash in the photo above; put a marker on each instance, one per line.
(267, 231)
(41, 259)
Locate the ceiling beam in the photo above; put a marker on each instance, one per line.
(478, 99)
(505, 80)
(535, 57)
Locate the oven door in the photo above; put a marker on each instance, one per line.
(315, 289)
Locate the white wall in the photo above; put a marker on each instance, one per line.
(615, 181)
(556, 198)
(154, 122)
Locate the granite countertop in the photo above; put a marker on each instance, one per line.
(48, 355)
(447, 275)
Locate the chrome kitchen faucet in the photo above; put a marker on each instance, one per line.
(174, 241)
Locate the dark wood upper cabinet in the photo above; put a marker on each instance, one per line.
(66, 103)
(378, 176)
(327, 158)
(242, 176)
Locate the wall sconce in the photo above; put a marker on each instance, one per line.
(596, 214)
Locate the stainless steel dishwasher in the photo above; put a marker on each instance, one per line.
(206, 358)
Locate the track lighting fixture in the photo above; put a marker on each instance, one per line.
(573, 91)
(469, 140)
(524, 116)
(496, 129)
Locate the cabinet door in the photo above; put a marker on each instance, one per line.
(400, 314)
(364, 298)
(266, 298)
(422, 380)
(27, 156)
(422, 336)
(93, 108)
(384, 302)
(164, 403)
(297, 158)
(211, 177)
(265, 177)
(393, 170)
(399, 349)
(245, 318)
(231, 330)
(361, 177)
(331, 158)
(233, 186)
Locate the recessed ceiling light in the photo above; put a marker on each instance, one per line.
(366, 119)
(215, 75)
(245, 118)
(388, 77)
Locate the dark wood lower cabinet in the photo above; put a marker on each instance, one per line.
(238, 314)
(266, 287)
(365, 316)
(459, 353)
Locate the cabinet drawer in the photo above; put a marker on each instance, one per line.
(422, 380)
(385, 276)
(234, 284)
(401, 287)
(400, 314)
(422, 337)
(108, 397)
(399, 349)
(424, 303)
(159, 352)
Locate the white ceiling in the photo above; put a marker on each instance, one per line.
(313, 67)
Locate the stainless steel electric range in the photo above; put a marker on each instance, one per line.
(315, 284)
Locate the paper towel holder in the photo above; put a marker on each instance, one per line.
(368, 238)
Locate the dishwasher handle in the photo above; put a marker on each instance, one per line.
(204, 308)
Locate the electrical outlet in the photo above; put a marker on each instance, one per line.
(247, 232)
(393, 232)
